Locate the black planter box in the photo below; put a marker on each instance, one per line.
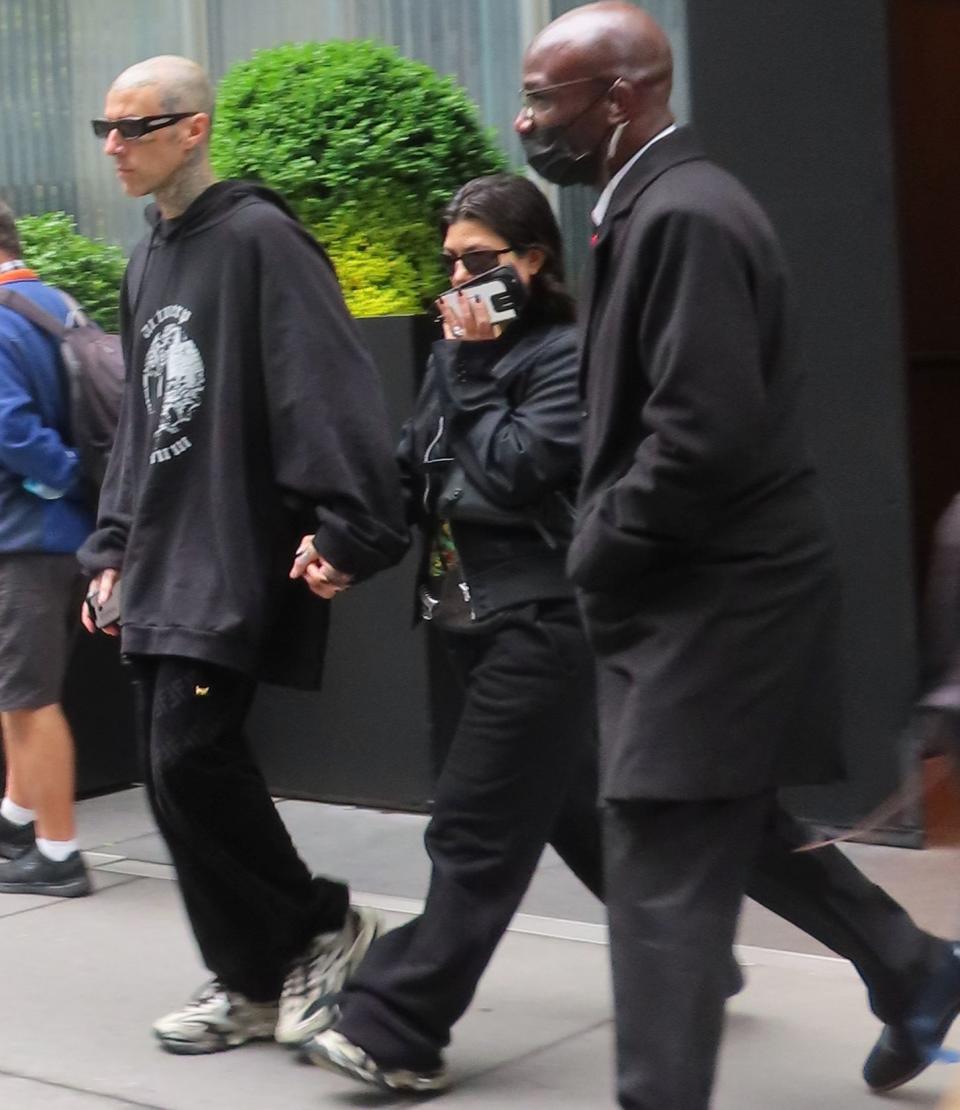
(365, 737)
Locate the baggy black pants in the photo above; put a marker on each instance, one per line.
(675, 875)
(521, 771)
(250, 899)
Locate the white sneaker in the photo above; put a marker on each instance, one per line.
(215, 1019)
(332, 1050)
(308, 1004)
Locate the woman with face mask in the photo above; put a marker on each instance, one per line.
(490, 461)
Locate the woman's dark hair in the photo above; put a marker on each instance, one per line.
(516, 210)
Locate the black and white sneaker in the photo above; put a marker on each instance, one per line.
(332, 1050)
(34, 873)
(215, 1019)
(15, 840)
(308, 1004)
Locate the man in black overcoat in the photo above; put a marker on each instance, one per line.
(706, 576)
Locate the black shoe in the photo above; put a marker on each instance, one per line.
(15, 839)
(906, 1048)
(33, 873)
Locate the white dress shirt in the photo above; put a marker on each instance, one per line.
(600, 208)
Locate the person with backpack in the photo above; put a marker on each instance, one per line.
(252, 416)
(44, 518)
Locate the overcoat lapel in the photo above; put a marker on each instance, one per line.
(679, 147)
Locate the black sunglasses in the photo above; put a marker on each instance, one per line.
(474, 262)
(135, 127)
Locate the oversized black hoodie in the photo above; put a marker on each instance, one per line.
(252, 415)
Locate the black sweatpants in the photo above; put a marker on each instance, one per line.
(251, 901)
(521, 771)
(676, 872)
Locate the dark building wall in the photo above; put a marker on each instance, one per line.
(924, 52)
(794, 98)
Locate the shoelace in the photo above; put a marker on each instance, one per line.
(207, 993)
(308, 973)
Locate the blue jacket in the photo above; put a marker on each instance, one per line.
(33, 417)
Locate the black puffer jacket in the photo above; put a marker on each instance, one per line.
(494, 447)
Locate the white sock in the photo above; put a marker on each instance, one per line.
(57, 850)
(17, 815)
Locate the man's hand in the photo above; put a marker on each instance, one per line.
(322, 578)
(100, 588)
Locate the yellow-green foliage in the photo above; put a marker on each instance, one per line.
(374, 281)
(386, 256)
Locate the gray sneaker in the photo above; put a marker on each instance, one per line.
(215, 1019)
(332, 1050)
(308, 1004)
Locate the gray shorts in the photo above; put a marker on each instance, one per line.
(40, 597)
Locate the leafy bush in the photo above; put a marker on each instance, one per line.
(367, 146)
(88, 269)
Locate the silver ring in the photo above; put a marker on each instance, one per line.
(457, 330)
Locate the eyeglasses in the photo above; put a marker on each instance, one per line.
(474, 262)
(135, 127)
(533, 98)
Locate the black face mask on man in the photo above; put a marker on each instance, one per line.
(547, 150)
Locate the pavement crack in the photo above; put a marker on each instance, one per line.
(55, 903)
(119, 1099)
(539, 1050)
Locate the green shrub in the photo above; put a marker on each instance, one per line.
(367, 146)
(88, 269)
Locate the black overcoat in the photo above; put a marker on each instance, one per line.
(705, 568)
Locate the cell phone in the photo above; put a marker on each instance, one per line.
(109, 612)
(500, 289)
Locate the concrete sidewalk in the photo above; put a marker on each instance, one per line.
(83, 980)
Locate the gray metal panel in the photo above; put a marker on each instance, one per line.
(35, 137)
(477, 42)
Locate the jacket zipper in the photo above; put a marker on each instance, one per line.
(426, 462)
(463, 584)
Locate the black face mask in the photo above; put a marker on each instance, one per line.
(547, 150)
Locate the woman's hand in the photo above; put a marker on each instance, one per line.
(322, 578)
(470, 321)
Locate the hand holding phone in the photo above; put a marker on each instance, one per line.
(474, 309)
(101, 606)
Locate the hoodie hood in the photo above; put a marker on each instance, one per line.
(212, 206)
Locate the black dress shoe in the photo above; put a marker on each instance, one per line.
(15, 839)
(34, 873)
(906, 1048)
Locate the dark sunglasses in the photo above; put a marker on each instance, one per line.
(135, 127)
(474, 262)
